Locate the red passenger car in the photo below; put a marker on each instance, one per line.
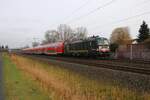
(50, 49)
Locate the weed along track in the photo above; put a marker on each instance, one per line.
(67, 81)
(43, 77)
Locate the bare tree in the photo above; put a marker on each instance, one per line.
(51, 36)
(43, 42)
(47, 36)
(81, 33)
(120, 36)
(27, 46)
(65, 32)
(34, 44)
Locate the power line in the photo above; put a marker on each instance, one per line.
(125, 19)
(79, 8)
(141, 4)
(76, 10)
(98, 8)
(144, 2)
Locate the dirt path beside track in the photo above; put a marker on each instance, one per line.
(1, 79)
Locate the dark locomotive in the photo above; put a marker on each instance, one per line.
(93, 46)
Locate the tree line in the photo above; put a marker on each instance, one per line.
(63, 33)
(2, 47)
(119, 36)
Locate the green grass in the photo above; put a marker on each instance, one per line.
(19, 86)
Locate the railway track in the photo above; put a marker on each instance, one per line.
(133, 61)
(114, 65)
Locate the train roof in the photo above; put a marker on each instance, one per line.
(88, 39)
(46, 45)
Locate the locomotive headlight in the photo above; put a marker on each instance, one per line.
(108, 47)
(100, 47)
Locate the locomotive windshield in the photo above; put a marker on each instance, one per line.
(102, 41)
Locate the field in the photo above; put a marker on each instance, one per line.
(29, 79)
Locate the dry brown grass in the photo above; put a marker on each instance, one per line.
(46, 80)
(66, 85)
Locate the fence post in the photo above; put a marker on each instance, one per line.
(131, 52)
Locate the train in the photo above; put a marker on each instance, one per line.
(91, 46)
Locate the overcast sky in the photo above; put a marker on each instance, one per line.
(23, 20)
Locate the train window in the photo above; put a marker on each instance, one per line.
(106, 42)
(87, 45)
(90, 44)
(99, 41)
(81, 46)
(84, 47)
(93, 44)
(73, 47)
(76, 46)
(102, 41)
(69, 46)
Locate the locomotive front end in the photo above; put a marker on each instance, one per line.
(103, 47)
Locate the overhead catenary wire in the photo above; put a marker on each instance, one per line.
(78, 9)
(143, 2)
(122, 20)
(87, 14)
(146, 1)
(75, 11)
(82, 16)
(94, 21)
(98, 8)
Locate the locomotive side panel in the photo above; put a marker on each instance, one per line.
(95, 46)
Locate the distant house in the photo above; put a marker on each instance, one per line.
(134, 41)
